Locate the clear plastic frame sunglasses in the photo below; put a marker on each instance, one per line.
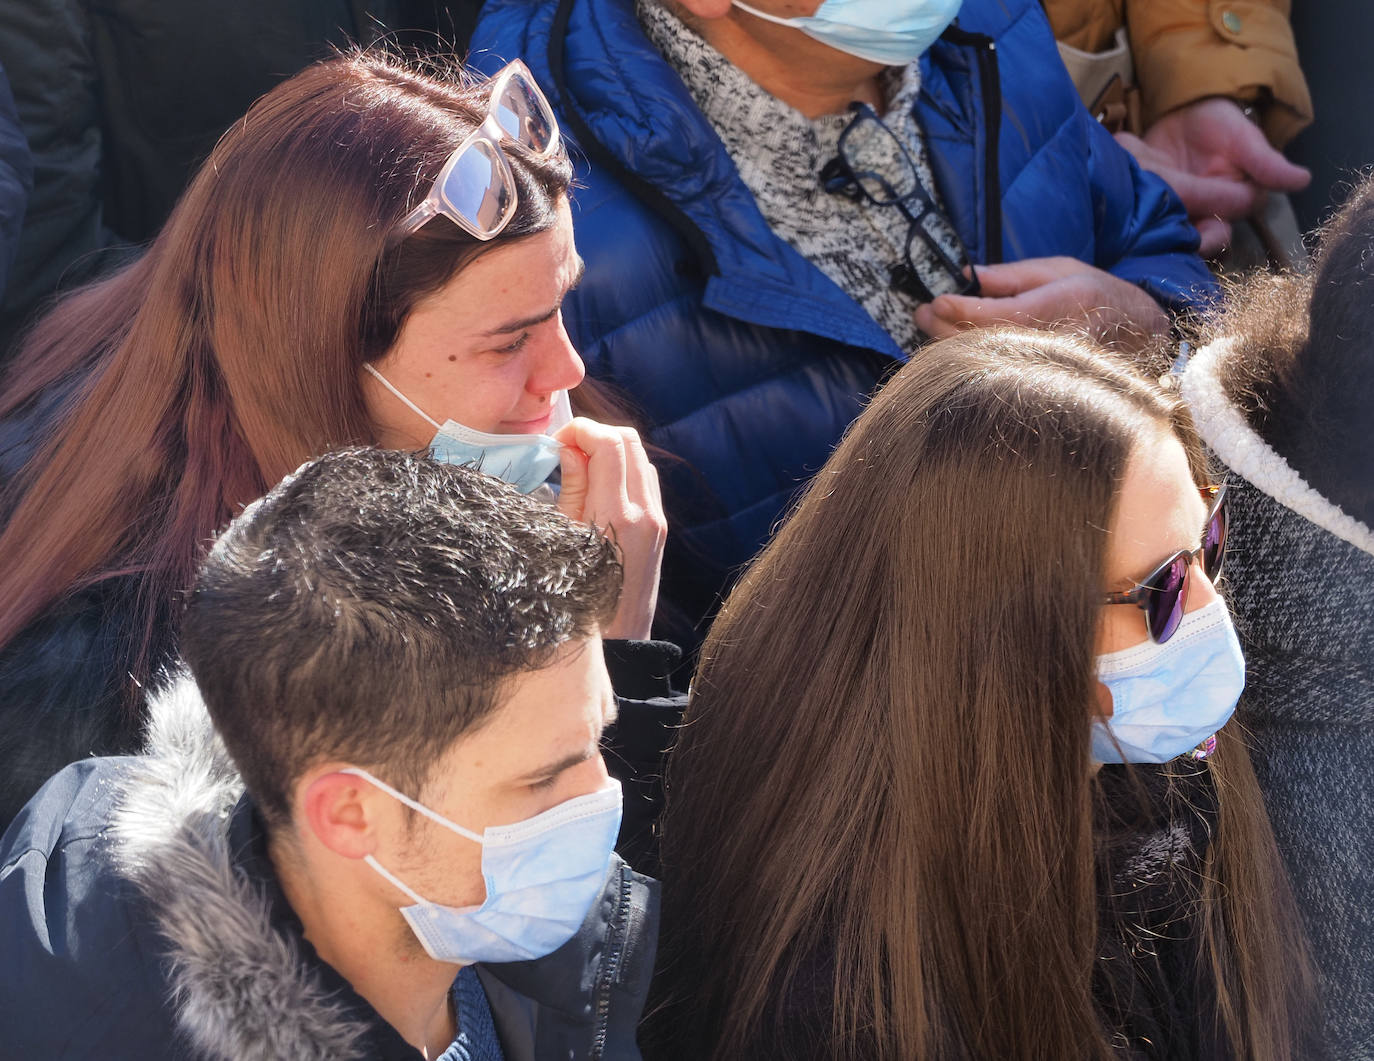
(476, 188)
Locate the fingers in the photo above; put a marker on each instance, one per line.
(582, 440)
(935, 325)
(641, 475)
(1012, 278)
(1212, 137)
(1215, 235)
(1147, 155)
(610, 483)
(1092, 301)
(980, 311)
(1203, 196)
(1265, 166)
(1214, 196)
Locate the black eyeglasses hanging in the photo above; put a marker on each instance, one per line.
(851, 174)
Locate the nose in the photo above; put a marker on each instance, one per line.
(558, 366)
(1201, 590)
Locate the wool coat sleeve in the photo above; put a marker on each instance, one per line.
(1186, 50)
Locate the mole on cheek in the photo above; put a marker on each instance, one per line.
(453, 357)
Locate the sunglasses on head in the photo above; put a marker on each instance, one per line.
(1163, 593)
(476, 188)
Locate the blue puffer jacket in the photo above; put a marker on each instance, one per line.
(744, 358)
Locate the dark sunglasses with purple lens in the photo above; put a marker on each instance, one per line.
(1163, 593)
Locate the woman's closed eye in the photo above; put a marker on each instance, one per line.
(511, 348)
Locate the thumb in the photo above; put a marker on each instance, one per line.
(1006, 279)
(575, 481)
(1214, 235)
(1266, 166)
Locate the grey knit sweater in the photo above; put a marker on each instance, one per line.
(1300, 577)
(779, 153)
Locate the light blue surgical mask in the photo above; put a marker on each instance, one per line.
(891, 32)
(524, 461)
(542, 876)
(1168, 699)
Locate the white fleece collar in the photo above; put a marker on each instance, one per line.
(1239, 446)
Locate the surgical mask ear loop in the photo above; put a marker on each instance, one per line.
(396, 881)
(419, 808)
(408, 403)
(778, 19)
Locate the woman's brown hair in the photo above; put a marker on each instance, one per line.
(881, 797)
(197, 377)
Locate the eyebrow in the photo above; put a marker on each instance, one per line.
(565, 763)
(609, 711)
(530, 322)
(1194, 545)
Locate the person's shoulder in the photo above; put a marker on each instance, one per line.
(995, 17)
(81, 976)
(62, 690)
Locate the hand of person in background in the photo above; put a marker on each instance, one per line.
(608, 482)
(1050, 293)
(1219, 163)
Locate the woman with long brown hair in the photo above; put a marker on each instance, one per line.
(888, 834)
(374, 254)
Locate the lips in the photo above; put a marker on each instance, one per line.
(536, 426)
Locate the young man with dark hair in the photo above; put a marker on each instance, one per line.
(373, 820)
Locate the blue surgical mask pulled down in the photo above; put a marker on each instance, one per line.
(524, 461)
(891, 32)
(542, 876)
(1167, 699)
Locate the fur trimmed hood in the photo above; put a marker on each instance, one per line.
(241, 990)
(1299, 572)
(1239, 446)
(139, 919)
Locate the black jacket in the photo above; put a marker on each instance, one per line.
(16, 179)
(140, 918)
(65, 688)
(121, 100)
(1153, 826)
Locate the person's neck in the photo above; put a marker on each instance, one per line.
(807, 75)
(407, 988)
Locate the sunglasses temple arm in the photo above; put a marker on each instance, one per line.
(417, 218)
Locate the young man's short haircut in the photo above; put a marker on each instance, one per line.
(369, 608)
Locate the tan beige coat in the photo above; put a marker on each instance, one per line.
(1185, 50)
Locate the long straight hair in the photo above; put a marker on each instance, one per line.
(881, 795)
(200, 375)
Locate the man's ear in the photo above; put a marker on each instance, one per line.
(341, 811)
(705, 9)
